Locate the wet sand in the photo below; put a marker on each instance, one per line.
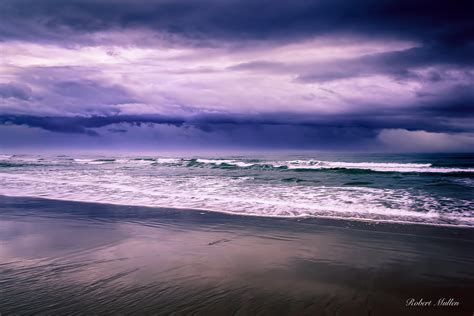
(60, 257)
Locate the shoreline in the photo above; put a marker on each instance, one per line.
(302, 217)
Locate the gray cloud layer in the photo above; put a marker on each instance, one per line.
(440, 21)
(428, 85)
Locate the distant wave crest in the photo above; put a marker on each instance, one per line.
(302, 165)
(294, 165)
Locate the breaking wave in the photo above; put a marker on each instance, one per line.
(295, 165)
(241, 195)
(302, 165)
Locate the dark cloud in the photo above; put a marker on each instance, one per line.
(50, 20)
(194, 136)
(284, 130)
(79, 100)
(434, 113)
(92, 92)
(82, 125)
(117, 130)
(54, 124)
(447, 108)
(15, 90)
(458, 101)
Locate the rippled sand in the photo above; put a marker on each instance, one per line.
(61, 257)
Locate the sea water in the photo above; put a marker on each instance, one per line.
(432, 189)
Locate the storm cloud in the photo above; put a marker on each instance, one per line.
(50, 20)
(300, 74)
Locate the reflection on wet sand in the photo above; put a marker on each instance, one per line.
(63, 257)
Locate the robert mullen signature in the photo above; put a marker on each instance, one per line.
(440, 302)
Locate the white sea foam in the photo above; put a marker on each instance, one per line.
(149, 161)
(161, 182)
(319, 164)
(374, 166)
(241, 195)
(309, 164)
(354, 165)
(91, 161)
(219, 162)
(168, 160)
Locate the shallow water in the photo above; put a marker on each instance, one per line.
(434, 189)
(59, 257)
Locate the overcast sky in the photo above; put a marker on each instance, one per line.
(188, 74)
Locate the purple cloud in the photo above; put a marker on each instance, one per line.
(313, 74)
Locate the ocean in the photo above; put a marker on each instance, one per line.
(255, 234)
(431, 189)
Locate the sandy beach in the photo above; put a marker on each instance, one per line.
(59, 257)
